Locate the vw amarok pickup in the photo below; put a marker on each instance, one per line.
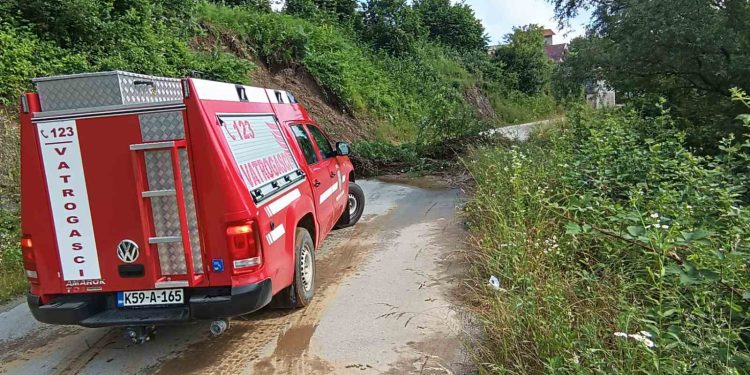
(149, 200)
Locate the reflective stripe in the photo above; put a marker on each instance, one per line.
(278, 205)
(327, 194)
(275, 234)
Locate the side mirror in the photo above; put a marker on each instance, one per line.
(342, 149)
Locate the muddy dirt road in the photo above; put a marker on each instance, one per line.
(383, 306)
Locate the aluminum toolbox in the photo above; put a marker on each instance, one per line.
(105, 89)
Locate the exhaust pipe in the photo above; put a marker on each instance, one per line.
(219, 326)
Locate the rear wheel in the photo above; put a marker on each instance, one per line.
(355, 207)
(302, 290)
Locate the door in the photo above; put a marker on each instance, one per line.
(319, 177)
(328, 152)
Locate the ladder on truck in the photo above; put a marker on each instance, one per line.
(164, 214)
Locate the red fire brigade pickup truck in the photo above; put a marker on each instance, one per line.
(149, 200)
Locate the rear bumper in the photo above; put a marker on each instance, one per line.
(100, 310)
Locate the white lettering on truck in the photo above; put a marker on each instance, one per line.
(66, 184)
(258, 147)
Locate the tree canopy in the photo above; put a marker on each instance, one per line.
(454, 25)
(690, 52)
(523, 56)
(390, 25)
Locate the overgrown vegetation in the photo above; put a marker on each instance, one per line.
(689, 52)
(617, 249)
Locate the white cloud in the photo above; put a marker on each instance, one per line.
(500, 16)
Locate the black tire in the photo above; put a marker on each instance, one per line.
(351, 217)
(302, 290)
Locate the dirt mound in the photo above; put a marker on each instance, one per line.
(340, 125)
(480, 102)
(306, 89)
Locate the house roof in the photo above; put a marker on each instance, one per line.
(548, 32)
(556, 52)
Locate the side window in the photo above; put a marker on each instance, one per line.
(305, 144)
(320, 139)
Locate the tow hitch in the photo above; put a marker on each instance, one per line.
(140, 334)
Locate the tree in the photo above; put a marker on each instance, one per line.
(690, 52)
(390, 25)
(262, 5)
(341, 9)
(523, 57)
(454, 25)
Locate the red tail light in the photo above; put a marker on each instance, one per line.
(244, 247)
(29, 262)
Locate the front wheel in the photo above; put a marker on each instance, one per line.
(302, 290)
(354, 208)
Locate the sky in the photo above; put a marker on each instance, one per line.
(500, 16)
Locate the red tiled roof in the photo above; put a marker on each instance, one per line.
(556, 52)
(548, 32)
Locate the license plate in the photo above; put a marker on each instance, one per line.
(150, 297)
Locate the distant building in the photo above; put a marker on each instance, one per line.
(548, 35)
(556, 52)
(600, 95)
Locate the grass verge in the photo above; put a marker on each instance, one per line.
(615, 248)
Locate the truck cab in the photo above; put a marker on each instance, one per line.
(150, 200)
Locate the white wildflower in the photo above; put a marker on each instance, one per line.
(655, 215)
(643, 340)
(664, 226)
(642, 337)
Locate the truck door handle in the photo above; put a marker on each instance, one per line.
(332, 175)
(316, 183)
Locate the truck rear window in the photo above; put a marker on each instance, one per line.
(261, 153)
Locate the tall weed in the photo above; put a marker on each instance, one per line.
(617, 249)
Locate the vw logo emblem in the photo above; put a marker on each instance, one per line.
(127, 251)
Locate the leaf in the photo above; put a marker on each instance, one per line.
(746, 295)
(745, 118)
(572, 228)
(687, 279)
(668, 313)
(709, 275)
(636, 230)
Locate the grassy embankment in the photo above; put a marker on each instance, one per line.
(617, 251)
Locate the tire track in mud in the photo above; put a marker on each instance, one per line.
(290, 330)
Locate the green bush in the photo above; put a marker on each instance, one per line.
(617, 249)
(23, 56)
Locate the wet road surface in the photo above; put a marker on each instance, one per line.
(383, 305)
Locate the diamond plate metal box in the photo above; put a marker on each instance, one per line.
(90, 90)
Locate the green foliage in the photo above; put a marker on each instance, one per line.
(518, 108)
(454, 25)
(391, 25)
(342, 10)
(261, 5)
(366, 83)
(618, 250)
(12, 278)
(690, 52)
(524, 58)
(23, 56)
